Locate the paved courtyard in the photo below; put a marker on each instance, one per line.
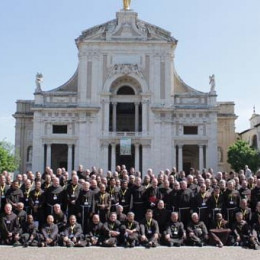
(184, 253)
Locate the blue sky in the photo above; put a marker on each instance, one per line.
(214, 36)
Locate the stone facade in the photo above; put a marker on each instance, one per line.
(252, 135)
(125, 86)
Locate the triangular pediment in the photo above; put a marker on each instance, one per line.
(126, 27)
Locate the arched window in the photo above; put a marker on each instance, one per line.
(125, 90)
(29, 154)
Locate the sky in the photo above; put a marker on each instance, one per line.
(220, 37)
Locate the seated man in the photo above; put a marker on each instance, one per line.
(111, 231)
(246, 211)
(219, 232)
(175, 234)
(30, 236)
(49, 233)
(149, 230)
(60, 218)
(9, 227)
(256, 214)
(73, 234)
(120, 215)
(95, 233)
(256, 230)
(21, 214)
(242, 233)
(130, 230)
(197, 231)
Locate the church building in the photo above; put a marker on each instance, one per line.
(125, 104)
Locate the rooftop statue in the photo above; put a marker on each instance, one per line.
(38, 81)
(212, 83)
(127, 4)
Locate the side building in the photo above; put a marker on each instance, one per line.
(252, 135)
(125, 90)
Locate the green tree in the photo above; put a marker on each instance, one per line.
(9, 161)
(241, 154)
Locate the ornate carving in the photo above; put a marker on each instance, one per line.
(125, 69)
(126, 28)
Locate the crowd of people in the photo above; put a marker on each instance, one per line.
(93, 208)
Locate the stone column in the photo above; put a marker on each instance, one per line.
(137, 156)
(76, 157)
(104, 157)
(48, 157)
(114, 117)
(207, 156)
(144, 116)
(113, 157)
(174, 156)
(69, 159)
(201, 159)
(180, 159)
(136, 117)
(106, 116)
(82, 75)
(105, 152)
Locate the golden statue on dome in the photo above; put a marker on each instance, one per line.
(127, 4)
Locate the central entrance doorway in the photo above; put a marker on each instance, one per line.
(59, 156)
(190, 157)
(127, 160)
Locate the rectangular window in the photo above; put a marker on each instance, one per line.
(59, 129)
(190, 130)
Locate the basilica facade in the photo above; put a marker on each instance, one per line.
(125, 104)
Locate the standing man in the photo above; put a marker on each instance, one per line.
(14, 195)
(36, 199)
(72, 194)
(3, 190)
(102, 203)
(55, 194)
(152, 195)
(184, 202)
(162, 216)
(124, 196)
(113, 192)
(85, 206)
(138, 199)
